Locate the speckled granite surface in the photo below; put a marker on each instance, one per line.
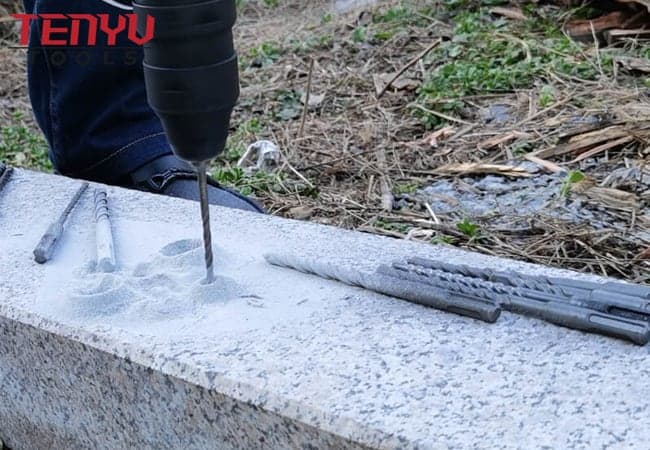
(310, 364)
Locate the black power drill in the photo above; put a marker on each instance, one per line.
(192, 81)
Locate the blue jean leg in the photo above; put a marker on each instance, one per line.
(90, 101)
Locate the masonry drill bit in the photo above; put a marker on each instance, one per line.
(201, 168)
(571, 313)
(45, 248)
(628, 301)
(384, 282)
(103, 233)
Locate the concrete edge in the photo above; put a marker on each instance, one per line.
(212, 381)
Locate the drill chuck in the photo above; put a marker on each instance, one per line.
(190, 71)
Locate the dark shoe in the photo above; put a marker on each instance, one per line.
(169, 175)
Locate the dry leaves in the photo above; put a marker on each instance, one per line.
(511, 12)
(634, 64)
(607, 197)
(300, 212)
(434, 139)
(585, 29)
(501, 139)
(593, 142)
(481, 168)
(314, 101)
(548, 165)
(401, 84)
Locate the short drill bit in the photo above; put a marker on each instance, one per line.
(103, 233)
(45, 248)
(201, 168)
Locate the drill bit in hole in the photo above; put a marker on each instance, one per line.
(201, 169)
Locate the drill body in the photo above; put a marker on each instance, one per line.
(190, 71)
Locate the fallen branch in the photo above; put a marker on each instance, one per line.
(306, 105)
(548, 165)
(479, 168)
(612, 36)
(604, 147)
(509, 12)
(439, 114)
(412, 62)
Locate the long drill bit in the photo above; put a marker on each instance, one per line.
(629, 301)
(468, 296)
(477, 307)
(569, 313)
(201, 168)
(45, 248)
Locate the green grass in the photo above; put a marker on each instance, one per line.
(240, 4)
(290, 106)
(389, 21)
(392, 226)
(247, 184)
(572, 178)
(442, 239)
(311, 44)
(359, 34)
(261, 182)
(487, 53)
(406, 188)
(468, 228)
(266, 54)
(21, 147)
(383, 35)
(401, 17)
(492, 55)
(546, 97)
(226, 172)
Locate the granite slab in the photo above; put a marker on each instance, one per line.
(282, 359)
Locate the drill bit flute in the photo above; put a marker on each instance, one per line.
(205, 217)
(103, 233)
(482, 294)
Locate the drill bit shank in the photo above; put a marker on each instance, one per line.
(205, 217)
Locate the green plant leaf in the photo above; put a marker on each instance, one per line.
(573, 177)
(468, 228)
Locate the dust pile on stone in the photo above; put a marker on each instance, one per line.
(171, 284)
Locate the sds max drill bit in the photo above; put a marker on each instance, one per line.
(201, 168)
